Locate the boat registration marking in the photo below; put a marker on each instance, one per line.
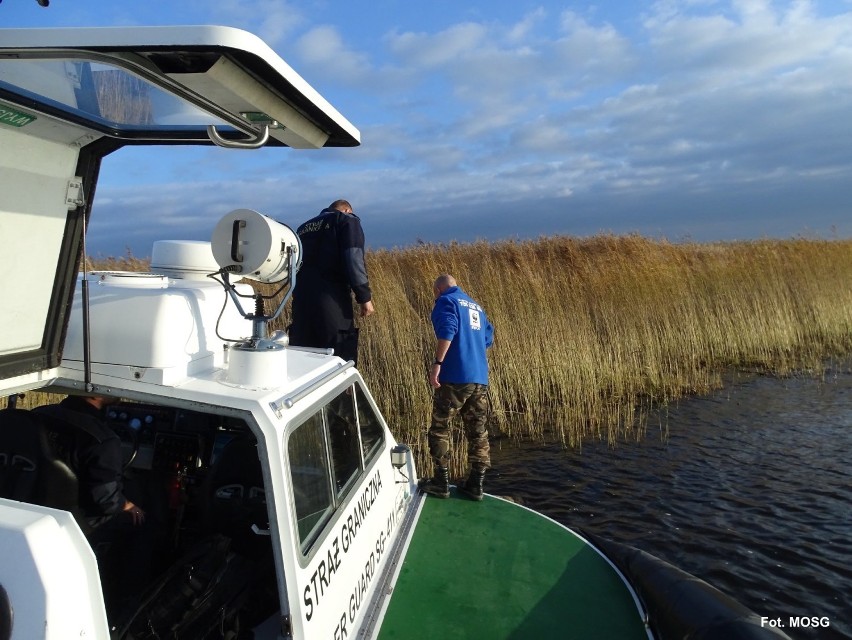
(329, 566)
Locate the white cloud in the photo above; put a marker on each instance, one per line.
(324, 47)
(435, 50)
(273, 20)
(521, 31)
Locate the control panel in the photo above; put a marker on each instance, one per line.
(163, 438)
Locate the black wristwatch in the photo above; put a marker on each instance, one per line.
(438, 362)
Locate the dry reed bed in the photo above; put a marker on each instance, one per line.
(591, 333)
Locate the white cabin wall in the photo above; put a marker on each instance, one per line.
(34, 175)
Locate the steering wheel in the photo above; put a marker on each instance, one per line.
(134, 444)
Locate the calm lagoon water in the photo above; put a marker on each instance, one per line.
(751, 491)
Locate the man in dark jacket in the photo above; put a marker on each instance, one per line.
(332, 267)
(118, 531)
(95, 457)
(459, 375)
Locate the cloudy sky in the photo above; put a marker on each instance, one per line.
(683, 119)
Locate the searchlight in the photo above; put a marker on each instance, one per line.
(256, 247)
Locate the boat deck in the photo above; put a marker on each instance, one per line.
(494, 569)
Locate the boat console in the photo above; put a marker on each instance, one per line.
(160, 438)
(169, 456)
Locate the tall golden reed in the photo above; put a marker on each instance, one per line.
(593, 333)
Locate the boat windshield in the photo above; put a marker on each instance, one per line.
(101, 94)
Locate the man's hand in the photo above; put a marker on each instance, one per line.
(136, 513)
(367, 308)
(433, 375)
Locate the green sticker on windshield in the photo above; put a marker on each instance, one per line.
(13, 117)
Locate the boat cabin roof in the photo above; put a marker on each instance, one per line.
(144, 84)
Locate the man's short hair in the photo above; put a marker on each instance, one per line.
(445, 281)
(340, 205)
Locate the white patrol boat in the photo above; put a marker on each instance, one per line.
(289, 508)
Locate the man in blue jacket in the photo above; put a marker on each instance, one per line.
(332, 266)
(459, 376)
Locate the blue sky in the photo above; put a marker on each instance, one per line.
(683, 119)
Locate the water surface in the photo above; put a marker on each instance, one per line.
(751, 491)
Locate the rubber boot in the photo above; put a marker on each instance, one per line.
(472, 487)
(439, 485)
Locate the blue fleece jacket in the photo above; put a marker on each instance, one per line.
(458, 318)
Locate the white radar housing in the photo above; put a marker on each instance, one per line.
(255, 246)
(183, 259)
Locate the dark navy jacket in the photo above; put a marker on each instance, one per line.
(333, 256)
(458, 318)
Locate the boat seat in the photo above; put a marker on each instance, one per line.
(227, 578)
(33, 467)
(235, 498)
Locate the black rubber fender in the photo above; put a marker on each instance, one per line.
(7, 615)
(681, 606)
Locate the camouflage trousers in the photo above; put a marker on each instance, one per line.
(471, 401)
